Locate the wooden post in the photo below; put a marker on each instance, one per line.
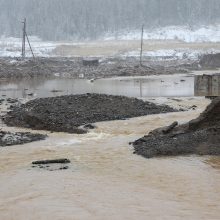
(142, 39)
(23, 39)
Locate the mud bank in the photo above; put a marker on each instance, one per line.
(67, 113)
(18, 138)
(200, 136)
(74, 68)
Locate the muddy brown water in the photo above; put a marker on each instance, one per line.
(105, 179)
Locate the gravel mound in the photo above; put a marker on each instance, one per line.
(200, 136)
(67, 113)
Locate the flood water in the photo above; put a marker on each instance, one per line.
(152, 86)
(179, 85)
(106, 180)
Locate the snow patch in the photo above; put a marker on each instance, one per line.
(11, 47)
(171, 54)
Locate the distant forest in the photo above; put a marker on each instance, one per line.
(90, 19)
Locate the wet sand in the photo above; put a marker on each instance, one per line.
(105, 180)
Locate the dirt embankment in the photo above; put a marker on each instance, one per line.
(67, 113)
(200, 136)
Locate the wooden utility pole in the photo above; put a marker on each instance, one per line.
(23, 39)
(142, 42)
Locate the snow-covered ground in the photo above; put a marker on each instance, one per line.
(11, 47)
(186, 34)
(172, 54)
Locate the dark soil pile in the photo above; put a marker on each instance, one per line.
(8, 139)
(67, 113)
(200, 136)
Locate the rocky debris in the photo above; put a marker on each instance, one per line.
(193, 107)
(11, 101)
(90, 62)
(9, 139)
(74, 68)
(67, 113)
(210, 61)
(200, 136)
(89, 126)
(52, 165)
(1, 101)
(210, 97)
(169, 128)
(210, 118)
(56, 91)
(164, 130)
